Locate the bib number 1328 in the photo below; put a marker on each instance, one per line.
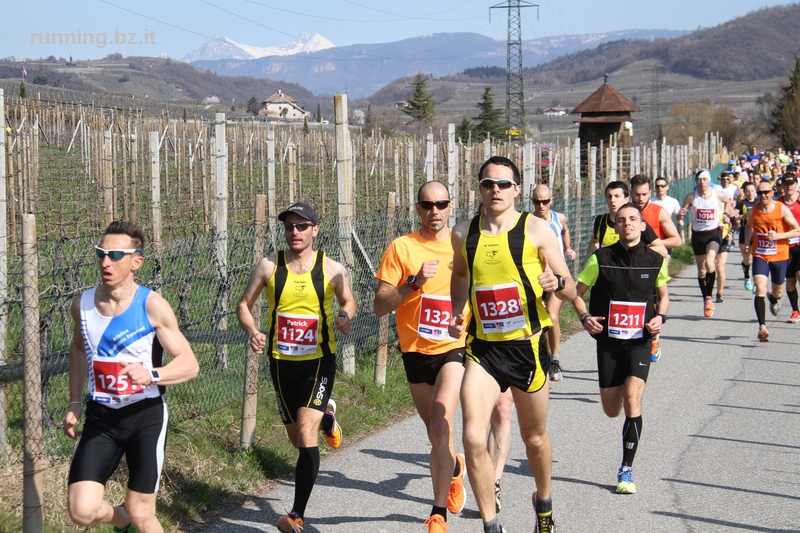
(499, 308)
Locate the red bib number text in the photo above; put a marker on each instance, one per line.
(107, 379)
(626, 320)
(706, 214)
(435, 313)
(764, 246)
(297, 334)
(500, 308)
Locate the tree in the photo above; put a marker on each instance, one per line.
(723, 122)
(464, 129)
(369, 121)
(40, 80)
(23, 92)
(252, 105)
(319, 113)
(489, 119)
(420, 106)
(786, 116)
(305, 126)
(687, 119)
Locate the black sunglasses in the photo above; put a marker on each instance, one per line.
(766, 192)
(427, 206)
(542, 202)
(301, 226)
(488, 183)
(661, 186)
(115, 255)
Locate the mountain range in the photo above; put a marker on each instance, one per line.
(362, 69)
(221, 47)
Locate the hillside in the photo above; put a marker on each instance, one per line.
(156, 79)
(758, 46)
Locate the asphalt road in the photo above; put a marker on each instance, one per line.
(720, 447)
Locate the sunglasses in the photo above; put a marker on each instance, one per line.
(764, 193)
(427, 206)
(542, 202)
(661, 186)
(115, 255)
(488, 183)
(301, 226)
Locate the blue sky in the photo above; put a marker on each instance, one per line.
(150, 27)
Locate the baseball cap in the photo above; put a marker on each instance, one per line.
(732, 162)
(789, 178)
(737, 168)
(301, 209)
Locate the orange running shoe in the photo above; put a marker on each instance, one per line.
(436, 524)
(334, 436)
(290, 523)
(708, 307)
(763, 334)
(458, 494)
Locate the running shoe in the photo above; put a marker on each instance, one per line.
(556, 373)
(763, 334)
(794, 318)
(625, 484)
(291, 523)
(748, 284)
(708, 307)
(458, 495)
(719, 298)
(544, 521)
(775, 308)
(436, 524)
(655, 351)
(497, 505)
(334, 436)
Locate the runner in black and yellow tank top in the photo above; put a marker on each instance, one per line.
(503, 263)
(300, 285)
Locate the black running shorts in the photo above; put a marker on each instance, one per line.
(139, 431)
(423, 368)
(703, 240)
(523, 364)
(302, 384)
(794, 262)
(616, 360)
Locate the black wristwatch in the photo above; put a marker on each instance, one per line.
(411, 282)
(663, 317)
(561, 283)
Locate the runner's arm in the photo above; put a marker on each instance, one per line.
(788, 218)
(672, 238)
(568, 251)
(344, 295)
(590, 323)
(183, 365)
(258, 280)
(78, 372)
(459, 281)
(553, 262)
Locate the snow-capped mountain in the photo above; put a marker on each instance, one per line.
(220, 47)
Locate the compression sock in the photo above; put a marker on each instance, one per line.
(746, 270)
(711, 278)
(441, 511)
(792, 299)
(631, 430)
(761, 310)
(702, 283)
(304, 478)
(771, 298)
(457, 469)
(327, 422)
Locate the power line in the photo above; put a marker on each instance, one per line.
(402, 17)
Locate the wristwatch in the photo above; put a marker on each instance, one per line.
(155, 377)
(561, 283)
(663, 317)
(411, 282)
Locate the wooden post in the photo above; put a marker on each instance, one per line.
(155, 190)
(410, 178)
(32, 516)
(221, 235)
(593, 178)
(382, 356)
(108, 183)
(429, 170)
(452, 171)
(528, 179)
(345, 205)
(3, 273)
(273, 213)
(250, 398)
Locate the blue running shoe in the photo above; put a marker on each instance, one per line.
(748, 284)
(625, 484)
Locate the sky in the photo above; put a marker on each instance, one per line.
(175, 27)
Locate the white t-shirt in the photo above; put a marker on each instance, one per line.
(669, 203)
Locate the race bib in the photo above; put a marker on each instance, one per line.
(626, 320)
(297, 334)
(499, 308)
(705, 214)
(108, 381)
(764, 246)
(435, 313)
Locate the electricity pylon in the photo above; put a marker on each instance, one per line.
(515, 95)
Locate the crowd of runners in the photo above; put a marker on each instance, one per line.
(477, 312)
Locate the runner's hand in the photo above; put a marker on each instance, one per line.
(137, 373)
(426, 272)
(71, 420)
(343, 324)
(592, 324)
(257, 342)
(547, 279)
(456, 327)
(654, 326)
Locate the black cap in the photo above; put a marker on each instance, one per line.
(303, 210)
(789, 178)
